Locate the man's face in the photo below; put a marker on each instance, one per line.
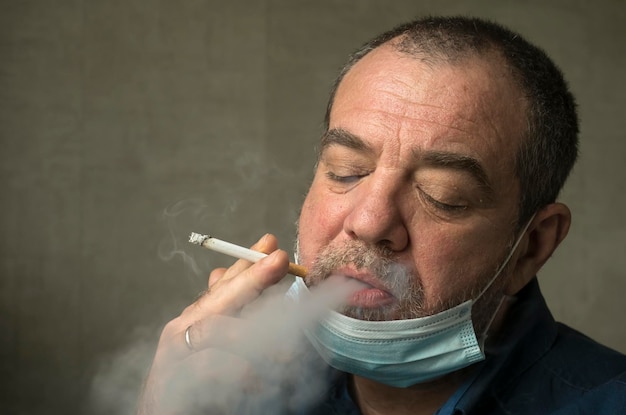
(415, 183)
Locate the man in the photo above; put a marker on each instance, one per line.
(447, 142)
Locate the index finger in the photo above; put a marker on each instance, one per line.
(266, 244)
(229, 295)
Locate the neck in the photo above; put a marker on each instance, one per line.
(375, 398)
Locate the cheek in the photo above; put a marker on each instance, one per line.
(451, 260)
(436, 257)
(321, 221)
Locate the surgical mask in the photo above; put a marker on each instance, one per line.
(399, 353)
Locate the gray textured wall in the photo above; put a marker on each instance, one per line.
(124, 125)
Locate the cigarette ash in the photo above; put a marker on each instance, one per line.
(198, 239)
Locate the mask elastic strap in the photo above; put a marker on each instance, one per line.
(508, 258)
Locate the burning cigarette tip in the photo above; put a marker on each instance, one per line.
(198, 239)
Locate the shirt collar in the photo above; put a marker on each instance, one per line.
(527, 333)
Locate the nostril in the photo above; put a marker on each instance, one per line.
(386, 243)
(398, 243)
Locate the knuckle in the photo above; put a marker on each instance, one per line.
(203, 330)
(217, 273)
(171, 328)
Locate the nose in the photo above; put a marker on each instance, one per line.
(376, 217)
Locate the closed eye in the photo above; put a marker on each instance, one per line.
(344, 179)
(441, 205)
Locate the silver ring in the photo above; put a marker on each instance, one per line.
(188, 339)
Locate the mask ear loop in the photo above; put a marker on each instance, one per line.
(505, 299)
(483, 334)
(508, 258)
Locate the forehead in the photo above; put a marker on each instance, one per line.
(470, 106)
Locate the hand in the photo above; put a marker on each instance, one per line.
(179, 373)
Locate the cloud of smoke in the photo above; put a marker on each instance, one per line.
(261, 362)
(117, 383)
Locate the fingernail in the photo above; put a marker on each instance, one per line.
(264, 238)
(260, 244)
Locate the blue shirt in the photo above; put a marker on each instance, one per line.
(535, 366)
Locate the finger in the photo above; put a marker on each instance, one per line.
(216, 331)
(246, 339)
(233, 294)
(179, 374)
(267, 244)
(215, 276)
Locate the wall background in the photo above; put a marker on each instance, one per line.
(124, 125)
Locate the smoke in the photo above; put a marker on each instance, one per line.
(261, 362)
(118, 380)
(180, 219)
(270, 367)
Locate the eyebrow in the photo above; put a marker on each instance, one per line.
(346, 139)
(459, 162)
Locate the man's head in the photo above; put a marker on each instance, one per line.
(549, 147)
(441, 142)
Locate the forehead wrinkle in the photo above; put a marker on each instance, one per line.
(405, 108)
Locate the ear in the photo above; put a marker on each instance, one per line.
(548, 228)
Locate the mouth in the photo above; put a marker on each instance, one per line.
(370, 292)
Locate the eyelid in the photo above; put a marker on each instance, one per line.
(441, 205)
(347, 179)
(339, 178)
(340, 167)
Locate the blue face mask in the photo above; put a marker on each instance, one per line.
(398, 353)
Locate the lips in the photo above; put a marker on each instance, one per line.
(372, 293)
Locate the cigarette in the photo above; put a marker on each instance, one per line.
(237, 251)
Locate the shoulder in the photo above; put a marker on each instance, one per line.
(608, 398)
(582, 362)
(576, 375)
